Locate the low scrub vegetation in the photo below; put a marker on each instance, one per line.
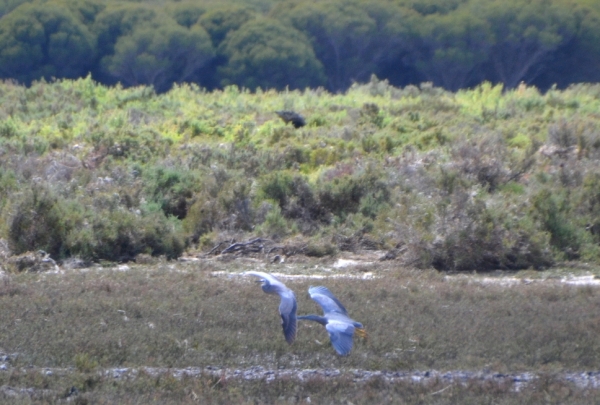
(480, 179)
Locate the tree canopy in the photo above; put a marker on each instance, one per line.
(524, 35)
(160, 56)
(334, 43)
(265, 53)
(43, 41)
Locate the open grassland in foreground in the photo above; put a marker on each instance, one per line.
(73, 329)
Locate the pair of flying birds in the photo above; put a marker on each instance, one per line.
(335, 318)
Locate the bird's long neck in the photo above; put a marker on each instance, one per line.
(316, 318)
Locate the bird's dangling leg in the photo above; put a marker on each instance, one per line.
(362, 332)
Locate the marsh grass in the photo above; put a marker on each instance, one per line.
(184, 315)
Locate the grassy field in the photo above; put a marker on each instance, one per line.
(80, 323)
(123, 182)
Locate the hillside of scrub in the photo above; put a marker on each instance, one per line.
(479, 179)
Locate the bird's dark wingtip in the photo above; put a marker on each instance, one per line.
(289, 328)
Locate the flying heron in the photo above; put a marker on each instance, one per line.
(287, 306)
(340, 326)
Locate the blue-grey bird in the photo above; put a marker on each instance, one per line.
(287, 306)
(335, 318)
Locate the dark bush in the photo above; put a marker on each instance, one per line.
(296, 199)
(41, 219)
(203, 216)
(319, 249)
(119, 235)
(483, 161)
(171, 188)
(479, 241)
(462, 232)
(343, 195)
(278, 186)
(553, 211)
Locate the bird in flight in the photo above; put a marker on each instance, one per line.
(335, 318)
(287, 307)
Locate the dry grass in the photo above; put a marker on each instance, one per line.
(180, 316)
(165, 389)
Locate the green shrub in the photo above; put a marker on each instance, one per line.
(85, 363)
(277, 186)
(171, 188)
(344, 194)
(275, 226)
(553, 211)
(341, 195)
(120, 235)
(8, 129)
(590, 203)
(370, 113)
(295, 155)
(204, 215)
(461, 233)
(235, 196)
(319, 249)
(40, 219)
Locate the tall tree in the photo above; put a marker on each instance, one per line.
(452, 48)
(220, 21)
(86, 11)
(350, 37)
(428, 7)
(6, 6)
(44, 40)
(525, 34)
(160, 56)
(265, 53)
(186, 13)
(118, 20)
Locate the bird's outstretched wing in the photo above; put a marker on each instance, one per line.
(340, 334)
(325, 298)
(287, 309)
(273, 281)
(287, 306)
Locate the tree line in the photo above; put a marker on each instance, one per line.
(302, 43)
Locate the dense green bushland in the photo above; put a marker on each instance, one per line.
(478, 179)
(302, 43)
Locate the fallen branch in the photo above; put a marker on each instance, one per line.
(252, 246)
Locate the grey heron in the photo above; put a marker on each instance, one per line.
(335, 318)
(287, 307)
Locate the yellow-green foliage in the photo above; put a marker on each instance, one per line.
(191, 162)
